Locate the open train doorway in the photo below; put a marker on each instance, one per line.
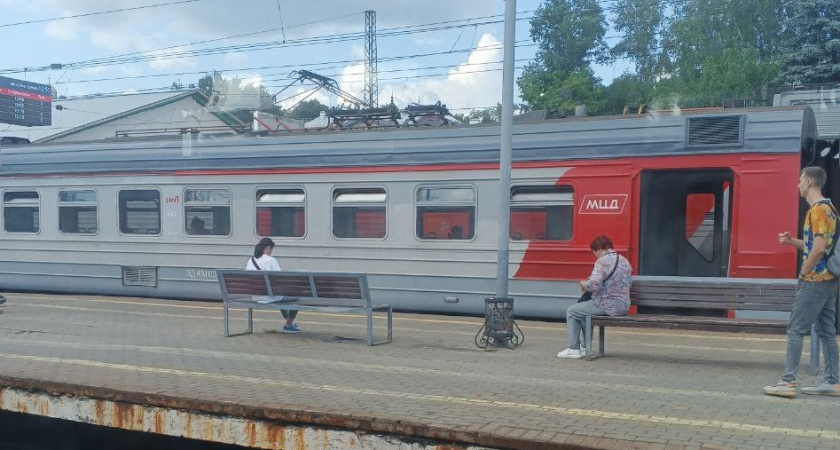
(685, 222)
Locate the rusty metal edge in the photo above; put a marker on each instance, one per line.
(329, 419)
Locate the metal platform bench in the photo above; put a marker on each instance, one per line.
(301, 291)
(682, 303)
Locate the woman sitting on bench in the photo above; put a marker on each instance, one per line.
(262, 260)
(609, 285)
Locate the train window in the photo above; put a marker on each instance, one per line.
(700, 224)
(281, 212)
(359, 213)
(21, 211)
(139, 211)
(77, 212)
(541, 212)
(445, 213)
(207, 212)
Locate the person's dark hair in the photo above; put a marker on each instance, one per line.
(815, 174)
(601, 243)
(263, 244)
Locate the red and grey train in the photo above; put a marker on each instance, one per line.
(691, 194)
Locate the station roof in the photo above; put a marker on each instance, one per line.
(72, 115)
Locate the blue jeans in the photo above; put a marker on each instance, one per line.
(576, 320)
(814, 304)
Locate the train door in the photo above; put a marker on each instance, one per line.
(685, 222)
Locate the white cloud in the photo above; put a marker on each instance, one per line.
(472, 85)
(63, 30)
(235, 59)
(154, 31)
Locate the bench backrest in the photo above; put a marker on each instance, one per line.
(306, 285)
(714, 293)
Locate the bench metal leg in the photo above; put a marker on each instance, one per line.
(602, 340)
(225, 329)
(390, 318)
(587, 333)
(814, 366)
(250, 320)
(370, 326)
(390, 323)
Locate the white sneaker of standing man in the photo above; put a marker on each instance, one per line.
(570, 354)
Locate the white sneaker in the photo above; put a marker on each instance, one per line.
(823, 389)
(582, 349)
(570, 354)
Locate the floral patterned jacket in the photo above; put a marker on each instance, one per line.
(613, 296)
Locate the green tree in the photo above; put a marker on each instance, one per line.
(812, 51)
(626, 92)
(570, 36)
(641, 23)
(307, 109)
(705, 40)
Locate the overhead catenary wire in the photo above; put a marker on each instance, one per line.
(160, 54)
(96, 13)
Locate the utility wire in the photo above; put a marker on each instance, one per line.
(324, 65)
(97, 13)
(345, 37)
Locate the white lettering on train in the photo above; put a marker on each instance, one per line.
(603, 204)
(201, 273)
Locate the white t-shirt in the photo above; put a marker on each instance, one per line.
(266, 263)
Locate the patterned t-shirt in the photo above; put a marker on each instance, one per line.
(612, 295)
(819, 220)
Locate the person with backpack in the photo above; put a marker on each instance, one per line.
(816, 291)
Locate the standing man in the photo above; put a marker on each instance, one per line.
(816, 291)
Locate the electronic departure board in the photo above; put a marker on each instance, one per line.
(25, 103)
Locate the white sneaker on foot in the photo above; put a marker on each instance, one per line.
(786, 389)
(823, 389)
(570, 354)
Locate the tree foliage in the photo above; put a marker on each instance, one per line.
(307, 109)
(709, 39)
(812, 48)
(570, 36)
(690, 53)
(641, 24)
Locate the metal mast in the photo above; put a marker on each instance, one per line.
(506, 153)
(371, 94)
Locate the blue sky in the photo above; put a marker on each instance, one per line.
(260, 41)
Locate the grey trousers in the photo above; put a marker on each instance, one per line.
(815, 303)
(576, 320)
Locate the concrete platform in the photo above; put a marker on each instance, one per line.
(163, 366)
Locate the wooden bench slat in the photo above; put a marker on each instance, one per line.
(723, 292)
(337, 287)
(290, 285)
(705, 304)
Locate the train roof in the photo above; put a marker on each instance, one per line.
(768, 130)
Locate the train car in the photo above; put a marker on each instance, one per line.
(700, 194)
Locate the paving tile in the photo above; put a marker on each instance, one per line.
(656, 389)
